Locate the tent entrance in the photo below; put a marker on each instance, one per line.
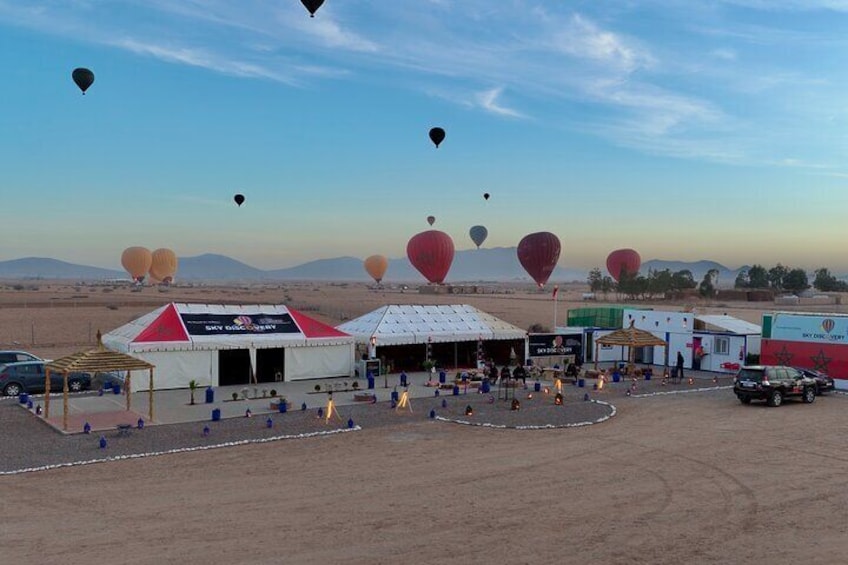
(270, 364)
(233, 367)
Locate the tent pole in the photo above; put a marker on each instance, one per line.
(128, 389)
(47, 394)
(65, 401)
(455, 356)
(597, 347)
(150, 397)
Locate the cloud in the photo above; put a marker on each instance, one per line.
(488, 100)
(583, 38)
(724, 54)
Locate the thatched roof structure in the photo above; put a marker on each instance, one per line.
(97, 360)
(631, 337)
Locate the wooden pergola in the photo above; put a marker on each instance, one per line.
(97, 360)
(631, 338)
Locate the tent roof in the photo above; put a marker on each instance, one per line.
(729, 324)
(406, 324)
(631, 337)
(98, 360)
(178, 326)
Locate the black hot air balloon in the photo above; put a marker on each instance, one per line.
(83, 77)
(485, 196)
(437, 135)
(239, 198)
(312, 6)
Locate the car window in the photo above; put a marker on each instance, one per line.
(755, 375)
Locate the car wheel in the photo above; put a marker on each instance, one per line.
(775, 398)
(75, 385)
(809, 395)
(745, 399)
(12, 389)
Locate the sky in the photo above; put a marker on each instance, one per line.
(685, 130)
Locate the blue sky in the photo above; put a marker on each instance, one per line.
(687, 132)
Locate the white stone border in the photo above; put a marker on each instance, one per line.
(545, 427)
(178, 450)
(683, 391)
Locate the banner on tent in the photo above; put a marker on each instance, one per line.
(259, 323)
(541, 345)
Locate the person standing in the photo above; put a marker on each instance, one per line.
(678, 369)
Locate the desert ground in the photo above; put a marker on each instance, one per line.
(694, 477)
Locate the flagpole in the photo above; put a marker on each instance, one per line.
(556, 299)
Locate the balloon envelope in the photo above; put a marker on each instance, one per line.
(83, 78)
(431, 220)
(431, 253)
(137, 261)
(485, 195)
(239, 199)
(312, 6)
(376, 266)
(622, 260)
(164, 265)
(538, 253)
(437, 135)
(478, 235)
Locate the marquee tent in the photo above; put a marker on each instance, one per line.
(219, 345)
(456, 334)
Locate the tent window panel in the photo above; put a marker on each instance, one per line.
(722, 345)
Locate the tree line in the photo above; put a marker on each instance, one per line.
(664, 283)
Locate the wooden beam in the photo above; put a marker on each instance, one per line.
(47, 394)
(65, 401)
(150, 397)
(128, 390)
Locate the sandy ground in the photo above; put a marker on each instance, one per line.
(690, 478)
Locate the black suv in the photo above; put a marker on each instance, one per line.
(28, 376)
(772, 383)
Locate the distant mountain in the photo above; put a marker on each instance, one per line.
(496, 264)
(44, 268)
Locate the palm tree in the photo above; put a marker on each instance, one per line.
(192, 386)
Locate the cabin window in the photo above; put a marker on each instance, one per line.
(722, 345)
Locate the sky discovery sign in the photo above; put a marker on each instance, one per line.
(229, 324)
(821, 328)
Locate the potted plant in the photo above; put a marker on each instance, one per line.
(428, 365)
(192, 386)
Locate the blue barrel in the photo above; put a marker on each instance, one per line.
(210, 395)
(116, 388)
(486, 387)
(403, 379)
(395, 395)
(616, 377)
(282, 406)
(442, 376)
(456, 390)
(23, 398)
(216, 414)
(581, 383)
(647, 375)
(370, 381)
(537, 387)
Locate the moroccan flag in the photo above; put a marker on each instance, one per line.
(556, 290)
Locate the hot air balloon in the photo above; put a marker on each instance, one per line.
(478, 235)
(83, 77)
(622, 260)
(376, 266)
(431, 220)
(137, 261)
(239, 198)
(164, 265)
(431, 252)
(538, 253)
(485, 196)
(312, 6)
(437, 135)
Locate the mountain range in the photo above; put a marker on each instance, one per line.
(497, 264)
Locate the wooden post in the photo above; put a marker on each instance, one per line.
(47, 394)
(597, 348)
(128, 390)
(150, 398)
(65, 401)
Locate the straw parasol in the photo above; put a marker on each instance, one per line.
(631, 338)
(97, 360)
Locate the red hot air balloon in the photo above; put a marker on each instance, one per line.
(431, 252)
(538, 253)
(622, 260)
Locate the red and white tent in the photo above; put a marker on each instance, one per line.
(217, 344)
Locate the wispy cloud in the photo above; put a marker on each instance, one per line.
(488, 100)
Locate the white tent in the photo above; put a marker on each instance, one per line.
(216, 344)
(401, 326)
